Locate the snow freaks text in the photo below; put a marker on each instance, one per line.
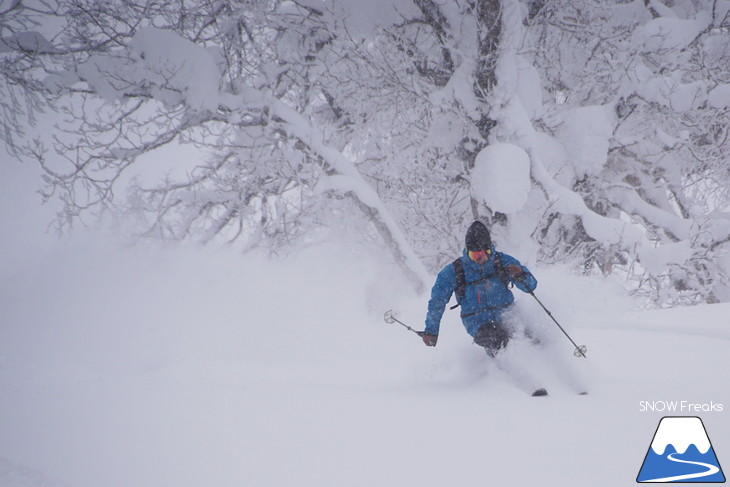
(680, 407)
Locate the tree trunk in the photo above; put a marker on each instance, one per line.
(489, 25)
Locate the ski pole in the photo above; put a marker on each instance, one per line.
(580, 351)
(389, 317)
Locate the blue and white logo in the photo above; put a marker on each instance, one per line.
(681, 452)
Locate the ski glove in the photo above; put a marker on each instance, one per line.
(516, 272)
(428, 339)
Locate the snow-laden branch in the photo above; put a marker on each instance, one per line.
(515, 123)
(609, 231)
(679, 228)
(348, 181)
(179, 73)
(619, 116)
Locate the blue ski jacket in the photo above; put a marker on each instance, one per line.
(483, 302)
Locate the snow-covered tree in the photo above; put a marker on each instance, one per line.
(583, 131)
(639, 111)
(620, 118)
(238, 80)
(21, 46)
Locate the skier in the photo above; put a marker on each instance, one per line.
(481, 279)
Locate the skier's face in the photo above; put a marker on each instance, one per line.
(479, 256)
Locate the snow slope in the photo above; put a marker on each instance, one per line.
(190, 367)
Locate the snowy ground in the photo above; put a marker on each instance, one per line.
(205, 368)
(189, 367)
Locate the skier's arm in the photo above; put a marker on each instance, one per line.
(441, 293)
(519, 274)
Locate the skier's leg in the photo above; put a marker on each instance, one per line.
(521, 373)
(492, 337)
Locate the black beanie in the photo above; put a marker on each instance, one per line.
(477, 237)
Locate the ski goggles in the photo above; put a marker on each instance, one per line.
(480, 255)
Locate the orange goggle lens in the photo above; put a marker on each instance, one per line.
(479, 255)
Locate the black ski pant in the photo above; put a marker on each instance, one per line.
(493, 337)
